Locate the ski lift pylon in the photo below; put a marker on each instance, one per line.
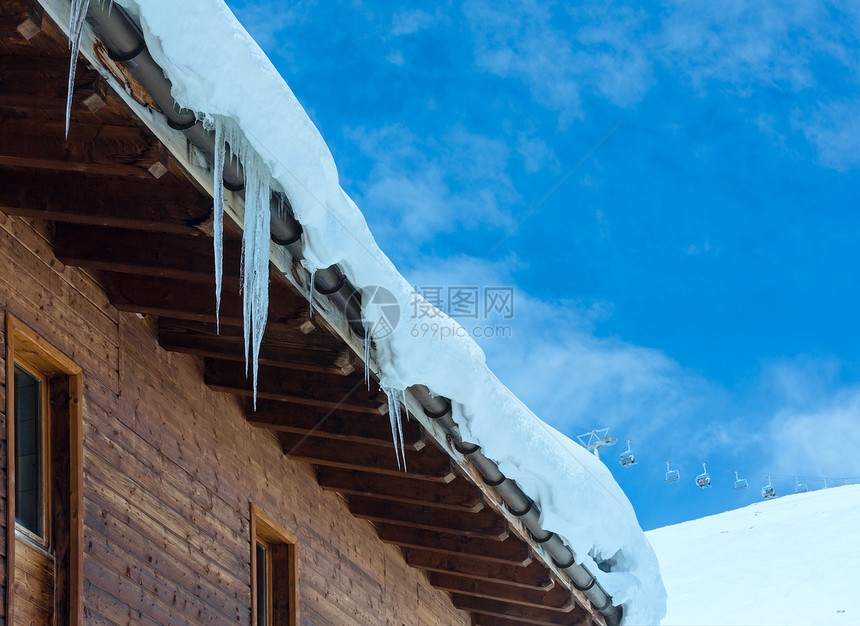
(799, 487)
(703, 480)
(740, 483)
(595, 439)
(671, 474)
(768, 491)
(626, 458)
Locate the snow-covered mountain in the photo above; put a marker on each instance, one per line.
(792, 560)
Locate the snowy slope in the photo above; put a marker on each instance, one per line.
(792, 560)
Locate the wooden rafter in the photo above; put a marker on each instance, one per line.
(291, 349)
(308, 388)
(429, 463)
(530, 615)
(558, 598)
(339, 425)
(532, 576)
(142, 203)
(150, 254)
(91, 148)
(484, 524)
(193, 300)
(458, 495)
(511, 551)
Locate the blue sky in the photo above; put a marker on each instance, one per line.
(689, 282)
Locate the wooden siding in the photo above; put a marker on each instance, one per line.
(170, 471)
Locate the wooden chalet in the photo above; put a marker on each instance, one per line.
(139, 484)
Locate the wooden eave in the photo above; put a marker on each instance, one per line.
(128, 200)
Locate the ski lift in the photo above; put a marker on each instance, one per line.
(704, 479)
(740, 483)
(627, 457)
(799, 487)
(671, 475)
(768, 491)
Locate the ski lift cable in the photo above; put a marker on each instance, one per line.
(802, 477)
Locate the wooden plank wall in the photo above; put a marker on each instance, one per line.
(170, 469)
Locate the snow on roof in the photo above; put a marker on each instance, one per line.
(219, 71)
(792, 560)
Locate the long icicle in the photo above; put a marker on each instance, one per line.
(77, 15)
(394, 417)
(218, 213)
(255, 253)
(367, 340)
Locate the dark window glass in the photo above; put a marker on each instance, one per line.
(28, 451)
(262, 585)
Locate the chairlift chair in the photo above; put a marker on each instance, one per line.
(799, 487)
(740, 483)
(703, 480)
(671, 474)
(768, 491)
(626, 458)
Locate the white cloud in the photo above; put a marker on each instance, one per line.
(409, 22)
(593, 51)
(412, 179)
(740, 43)
(569, 376)
(814, 429)
(820, 442)
(618, 52)
(834, 129)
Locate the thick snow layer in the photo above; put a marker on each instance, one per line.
(218, 71)
(792, 560)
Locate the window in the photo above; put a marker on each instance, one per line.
(30, 472)
(44, 476)
(274, 600)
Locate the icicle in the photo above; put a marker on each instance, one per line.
(255, 253)
(395, 396)
(311, 293)
(77, 14)
(254, 267)
(219, 217)
(367, 359)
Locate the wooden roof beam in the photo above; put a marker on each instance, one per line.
(291, 349)
(532, 576)
(526, 614)
(150, 254)
(308, 388)
(142, 203)
(428, 464)
(192, 300)
(485, 524)
(458, 495)
(558, 598)
(340, 425)
(511, 551)
(90, 148)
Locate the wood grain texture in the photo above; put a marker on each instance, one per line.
(169, 468)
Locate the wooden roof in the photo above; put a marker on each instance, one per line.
(132, 209)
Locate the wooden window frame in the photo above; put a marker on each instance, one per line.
(24, 347)
(265, 530)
